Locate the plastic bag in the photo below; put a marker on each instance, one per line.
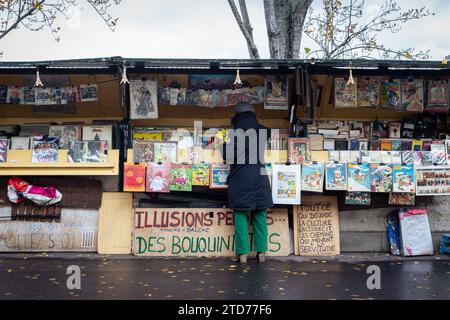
(19, 190)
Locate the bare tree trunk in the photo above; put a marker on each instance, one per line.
(273, 31)
(298, 17)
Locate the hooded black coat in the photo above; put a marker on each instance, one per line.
(248, 185)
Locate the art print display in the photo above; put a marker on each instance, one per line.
(219, 175)
(28, 95)
(312, 176)
(299, 150)
(47, 96)
(134, 177)
(158, 177)
(276, 93)
(390, 94)
(336, 176)
(99, 133)
(14, 95)
(72, 94)
(286, 184)
(403, 178)
(402, 199)
(143, 99)
(20, 143)
(3, 149)
(358, 177)
(45, 149)
(200, 174)
(345, 94)
(437, 96)
(142, 151)
(211, 81)
(433, 180)
(88, 92)
(66, 134)
(368, 92)
(358, 198)
(165, 151)
(412, 95)
(438, 154)
(380, 177)
(181, 177)
(86, 151)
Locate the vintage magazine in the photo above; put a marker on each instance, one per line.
(66, 134)
(299, 150)
(158, 177)
(45, 149)
(368, 92)
(181, 177)
(143, 99)
(200, 174)
(99, 133)
(134, 177)
(345, 95)
(276, 93)
(86, 151)
(286, 184)
(359, 177)
(390, 94)
(312, 176)
(438, 155)
(88, 92)
(380, 177)
(437, 96)
(433, 180)
(142, 151)
(219, 175)
(412, 95)
(336, 176)
(403, 178)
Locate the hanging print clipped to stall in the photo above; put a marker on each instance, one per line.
(143, 99)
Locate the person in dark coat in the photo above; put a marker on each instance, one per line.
(248, 184)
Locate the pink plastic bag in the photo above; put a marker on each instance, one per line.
(19, 190)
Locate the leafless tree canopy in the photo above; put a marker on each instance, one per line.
(39, 14)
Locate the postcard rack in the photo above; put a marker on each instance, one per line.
(19, 162)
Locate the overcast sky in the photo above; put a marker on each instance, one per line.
(194, 29)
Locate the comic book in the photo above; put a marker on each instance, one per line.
(134, 177)
(402, 199)
(359, 177)
(181, 177)
(412, 95)
(158, 177)
(286, 184)
(345, 94)
(390, 94)
(438, 154)
(312, 176)
(403, 178)
(299, 150)
(142, 151)
(380, 177)
(200, 174)
(437, 96)
(219, 175)
(368, 92)
(336, 176)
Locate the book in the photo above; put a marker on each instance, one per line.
(438, 155)
(142, 151)
(416, 145)
(200, 174)
(368, 90)
(66, 134)
(380, 177)
(426, 144)
(344, 156)
(402, 199)
(408, 130)
(316, 142)
(390, 94)
(358, 177)
(403, 178)
(412, 95)
(358, 198)
(363, 144)
(355, 156)
(407, 145)
(99, 133)
(437, 96)
(328, 144)
(374, 144)
(353, 144)
(165, 151)
(345, 94)
(158, 177)
(181, 177)
(149, 134)
(407, 157)
(299, 150)
(385, 145)
(44, 149)
(417, 158)
(447, 150)
(20, 143)
(86, 152)
(219, 175)
(395, 130)
(312, 176)
(426, 158)
(340, 144)
(336, 176)
(134, 177)
(396, 145)
(3, 149)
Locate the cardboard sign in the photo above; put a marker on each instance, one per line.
(76, 231)
(200, 232)
(316, 227)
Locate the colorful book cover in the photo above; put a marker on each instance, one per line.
(438, 154)
(407, 157)
(395, 130)
(3, 149)
(404, 178)
(368, 92)
(149, 136)
(66, 134)
(412, 95)
(407, 145)
(358, 198)
(45, 149)
(359, 177)
(158, 177)
(426, 144)
(363, 144)
(165, 152)
(99, 133)
(142, 151)
(375, 145)
(426, 158)
(402, 199)
(86, 152)
(353, 144)
(181, 177)
(396, 145)
(134, 177)
(386, 145)
(299, 150)
(437, 96)
(390, 94)
(336, 176)
(416, 145)
(219, 175)
(345, 94)
(276, 93)
(200, 174)
(312, 176)
(380, 177)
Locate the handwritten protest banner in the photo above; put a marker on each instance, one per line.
(202, 232)
(316, 227)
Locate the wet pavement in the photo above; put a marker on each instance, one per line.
(42, 276)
